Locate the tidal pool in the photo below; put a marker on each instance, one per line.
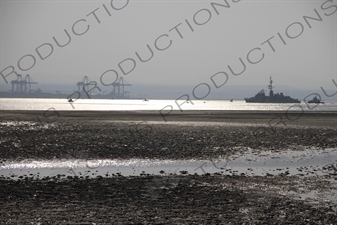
(310, 162)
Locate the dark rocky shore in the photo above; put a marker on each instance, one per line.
(144, 139)
(159, 200)
(169, 199)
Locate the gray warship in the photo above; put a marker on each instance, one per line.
(261, 97)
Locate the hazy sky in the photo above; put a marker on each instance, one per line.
(126, 27)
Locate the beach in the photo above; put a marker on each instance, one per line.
(186, 135)
(184, 198)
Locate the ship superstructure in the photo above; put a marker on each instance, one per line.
(261, 97)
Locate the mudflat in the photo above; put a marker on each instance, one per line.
(310, 118)
(186, 135)
(163, 200)
(168, 198)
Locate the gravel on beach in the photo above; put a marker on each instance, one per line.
(111, 139)
(179, 200)
(167, 199)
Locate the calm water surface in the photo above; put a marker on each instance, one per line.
(139, 104)
(309, 162)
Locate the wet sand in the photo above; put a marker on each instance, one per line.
(167, 199)
(161, 200)
(191, 135)
(311, 118)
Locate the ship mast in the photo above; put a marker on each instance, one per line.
(270, 87)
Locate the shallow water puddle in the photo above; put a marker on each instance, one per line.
(315, 196)
(311, 162)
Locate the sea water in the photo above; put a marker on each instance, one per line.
(156, 105)
(313, 162)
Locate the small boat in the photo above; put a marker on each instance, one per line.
(231, 100)
(315, 100)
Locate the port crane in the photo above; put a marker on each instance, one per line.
(23, 85)
(119, 87)
(84, 83)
